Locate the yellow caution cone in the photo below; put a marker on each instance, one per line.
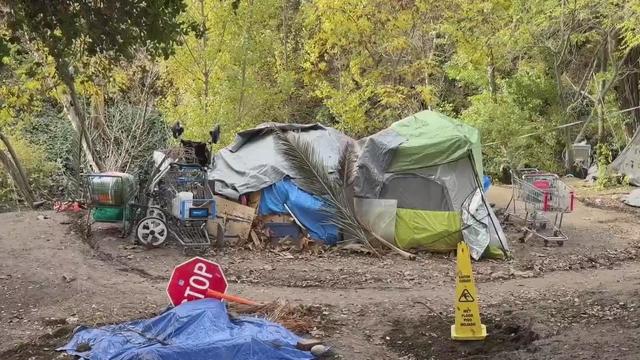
(467, 325)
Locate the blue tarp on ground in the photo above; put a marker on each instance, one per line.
(306, 207)
(197, 330)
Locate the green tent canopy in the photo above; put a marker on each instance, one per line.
(434, 139)
(431, 165)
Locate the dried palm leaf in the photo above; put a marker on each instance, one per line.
(347, 165)
(313, 176)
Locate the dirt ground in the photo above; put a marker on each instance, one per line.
(578, 301)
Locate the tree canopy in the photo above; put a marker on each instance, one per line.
(533, 76)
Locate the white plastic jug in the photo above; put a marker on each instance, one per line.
(178, 200)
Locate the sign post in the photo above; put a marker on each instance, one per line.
(193, 279)
(467, 324)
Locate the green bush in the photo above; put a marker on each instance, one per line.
(40, 171)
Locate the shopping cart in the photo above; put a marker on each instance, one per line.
(545, 199)
(178, 203)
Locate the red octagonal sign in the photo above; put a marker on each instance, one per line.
(191, 280)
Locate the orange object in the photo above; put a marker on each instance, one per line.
(222, 296)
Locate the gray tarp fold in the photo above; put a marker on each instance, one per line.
(376, 153)
(628, 162)
(253, 162)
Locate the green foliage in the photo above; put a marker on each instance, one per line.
(132, 134)
(517, 124)
(50, 132)
(115, 27)
(603, 159)
(515, 69)
(236, 69)
(40, 171)
(373, 62)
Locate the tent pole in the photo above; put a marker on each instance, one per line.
(484, 201)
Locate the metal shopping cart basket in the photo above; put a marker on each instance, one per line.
(178, 202)
(544, 199)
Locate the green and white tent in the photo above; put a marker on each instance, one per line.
(431, 165)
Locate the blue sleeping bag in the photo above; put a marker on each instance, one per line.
(197, 330)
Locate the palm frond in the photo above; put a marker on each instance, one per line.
(347, 164)
(313, 176)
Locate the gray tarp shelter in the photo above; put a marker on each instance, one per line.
(252, 162)
(628, 162)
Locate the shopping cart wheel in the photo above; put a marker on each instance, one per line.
(154, 211)
(152, 231)
(560, 243)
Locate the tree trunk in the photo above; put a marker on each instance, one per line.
(206, 71)
(568, 143)
(16, 161)
(76, 115)
(604, 67)
(245, 49)
(16, 171)
(97, 116)
(75, 123)
(628, 91)
(491, 75)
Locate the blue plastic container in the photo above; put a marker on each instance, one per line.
(486, 183)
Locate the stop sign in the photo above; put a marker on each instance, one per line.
(191, 280)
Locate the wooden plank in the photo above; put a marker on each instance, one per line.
(237, 229)
(236, 219)
(226, 207)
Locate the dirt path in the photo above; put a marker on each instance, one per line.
(575, 302)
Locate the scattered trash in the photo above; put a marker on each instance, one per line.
(592, 173)
(355, 247)
(42, 217)
(319, 350)
(633, 198)
(627, 160)
(68, 278)
(308, 344)
(68, 206)
(297, 318)
(197, 330)
(486, 183)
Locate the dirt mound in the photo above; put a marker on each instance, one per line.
(428, 337)
(43, 348)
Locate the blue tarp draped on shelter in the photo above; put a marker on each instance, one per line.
(304, 206)
(197, 330)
